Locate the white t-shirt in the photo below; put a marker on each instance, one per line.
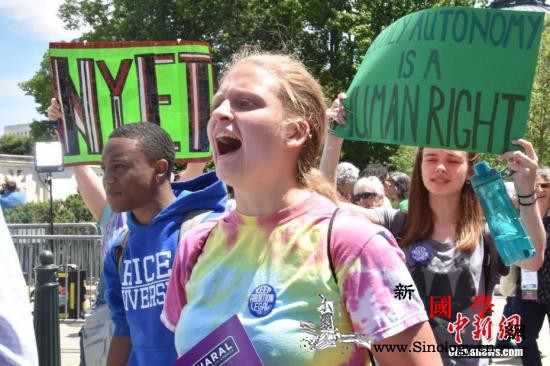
(17, 340)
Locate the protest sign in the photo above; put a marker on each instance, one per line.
(103, 85)
(455, 78)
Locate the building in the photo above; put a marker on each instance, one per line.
(22, 167)
(20, 130)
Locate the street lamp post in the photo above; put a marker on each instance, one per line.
(48, 158)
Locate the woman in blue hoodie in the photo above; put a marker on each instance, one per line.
(137, 161)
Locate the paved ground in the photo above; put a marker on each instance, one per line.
(70, 352)
(70, 348)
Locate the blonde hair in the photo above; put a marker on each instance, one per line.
(302, 97)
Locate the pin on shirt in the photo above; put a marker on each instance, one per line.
(262, 300)
(421, 255)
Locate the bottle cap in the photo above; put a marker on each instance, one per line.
(482, 168)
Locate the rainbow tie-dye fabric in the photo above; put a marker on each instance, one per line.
(270, 271)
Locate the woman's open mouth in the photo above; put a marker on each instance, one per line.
(227, 143)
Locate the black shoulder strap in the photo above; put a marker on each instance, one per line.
(329, 237)
(119, 251)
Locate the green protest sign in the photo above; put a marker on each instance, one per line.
(455, 78)
(103, 85)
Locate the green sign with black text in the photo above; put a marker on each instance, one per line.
(103, 85)
(455, 78)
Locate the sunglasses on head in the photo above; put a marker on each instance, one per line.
(365, 195)
(543, 185)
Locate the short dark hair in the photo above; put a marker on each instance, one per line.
(376, 170)
(155, 143)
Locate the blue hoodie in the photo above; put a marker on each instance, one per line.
(136, 290)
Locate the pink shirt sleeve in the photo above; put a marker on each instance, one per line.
(369, 265)
(187, 253)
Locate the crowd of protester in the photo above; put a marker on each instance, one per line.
(293, 232)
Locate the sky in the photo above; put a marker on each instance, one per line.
(26, 28)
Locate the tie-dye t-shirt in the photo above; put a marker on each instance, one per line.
(288, 251)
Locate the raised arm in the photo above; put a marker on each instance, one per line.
(88, 183)
(368, 213)
(524, 166)
(91, 190)
(331, 157)
(333, 144)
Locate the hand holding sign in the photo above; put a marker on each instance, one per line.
(524, 164)
(54, 111)
(337, 112)
(454, 78)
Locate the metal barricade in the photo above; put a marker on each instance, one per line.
(80, 228)
(31, 237)
(80, 250)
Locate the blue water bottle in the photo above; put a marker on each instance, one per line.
(511, 239)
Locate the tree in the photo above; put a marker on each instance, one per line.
(538, 126)
(40, 86)
(42, 131)
(15, 145)
(72, 209)
(329, 36)
(403, 159)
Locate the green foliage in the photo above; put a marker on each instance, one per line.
(42, 131)
(20, 145)
(40, 86)
(15, 145)
(362, 153)
(71, 209)
(403, 160)
(493, 160)
(538, 126)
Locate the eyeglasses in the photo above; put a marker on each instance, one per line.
(543, 185)
(365, 195)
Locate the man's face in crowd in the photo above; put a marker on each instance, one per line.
(129, 177)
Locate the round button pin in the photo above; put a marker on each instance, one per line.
(262, 300)
(420, 254)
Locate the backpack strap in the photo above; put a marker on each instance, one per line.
(119, 250)
(329, 237)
